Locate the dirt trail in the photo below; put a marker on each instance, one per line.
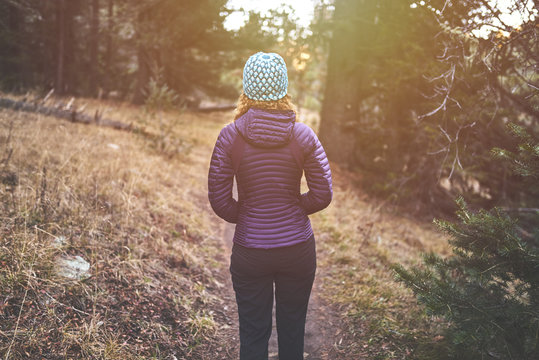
(321, 326)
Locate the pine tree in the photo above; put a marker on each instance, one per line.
(417, 94)
(488, 290)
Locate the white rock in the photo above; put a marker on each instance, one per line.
(59, 241)
(72, 267)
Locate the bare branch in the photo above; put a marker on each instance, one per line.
(446, 134)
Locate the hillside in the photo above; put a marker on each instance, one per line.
(134, 206)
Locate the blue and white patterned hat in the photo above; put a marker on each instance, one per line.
(265, 77)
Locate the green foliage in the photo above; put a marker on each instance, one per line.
(113, 48)
(186, 40)
(419, 92)
(526, 161)
(159, 96)
(159, 99)
(489, 288)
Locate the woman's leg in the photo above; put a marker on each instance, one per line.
(293, 284)
(253, 284)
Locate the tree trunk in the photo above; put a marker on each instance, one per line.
(346, 83)
(75, 78)
(143, 76)
(12, 71)
(108, 59)
(94, 43)
(143, 72)
(60, 21)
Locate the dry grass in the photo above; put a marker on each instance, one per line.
(359, 239)
(137, 213)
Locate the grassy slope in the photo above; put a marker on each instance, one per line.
(358, 240)
(135, 207)
(134, 212)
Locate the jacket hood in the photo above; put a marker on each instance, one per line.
(266, 128)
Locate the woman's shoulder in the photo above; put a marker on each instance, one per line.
(228, 133)
(303, 130)
(305, 135)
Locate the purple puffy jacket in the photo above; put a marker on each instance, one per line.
(270, 211)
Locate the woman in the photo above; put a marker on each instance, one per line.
(267, 151)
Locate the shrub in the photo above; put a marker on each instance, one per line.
(488, 289)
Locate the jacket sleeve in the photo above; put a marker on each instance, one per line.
(221, 179)
(318, 175)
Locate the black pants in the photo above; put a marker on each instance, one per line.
(254, 271)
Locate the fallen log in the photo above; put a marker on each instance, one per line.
(64, 113)
(216, 108)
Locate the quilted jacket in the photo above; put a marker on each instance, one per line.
(270, 211)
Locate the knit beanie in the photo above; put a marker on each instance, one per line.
(265, 77)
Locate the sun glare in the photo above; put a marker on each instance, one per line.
(303, 10)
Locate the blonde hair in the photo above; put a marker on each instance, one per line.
(244, 104)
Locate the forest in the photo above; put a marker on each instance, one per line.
(428, 112)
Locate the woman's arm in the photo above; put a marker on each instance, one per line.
(318, 175)
(221, 179)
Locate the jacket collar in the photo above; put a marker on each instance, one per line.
(266, 128)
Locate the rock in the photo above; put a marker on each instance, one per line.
(59, 241)
(72, 267)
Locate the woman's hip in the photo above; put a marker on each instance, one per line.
(256, 262)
